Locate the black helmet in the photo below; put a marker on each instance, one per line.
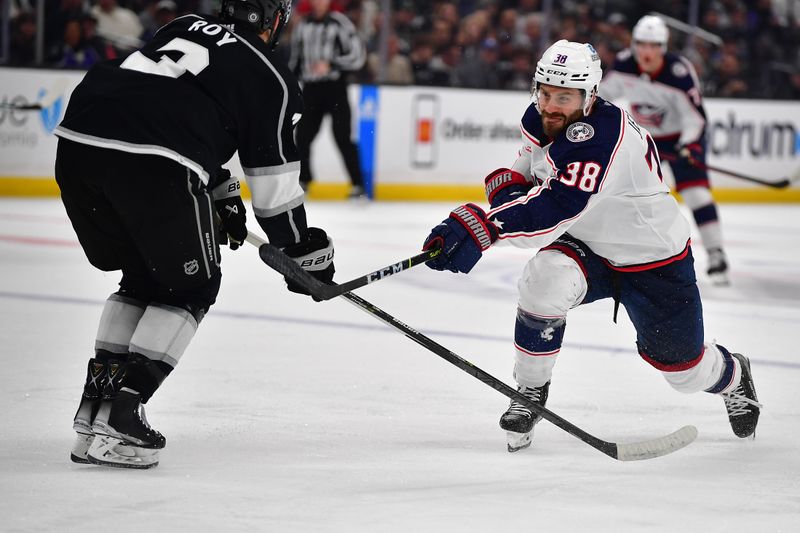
(257, 14)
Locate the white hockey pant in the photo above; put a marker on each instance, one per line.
(551, 284)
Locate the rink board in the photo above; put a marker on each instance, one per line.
(418, 143)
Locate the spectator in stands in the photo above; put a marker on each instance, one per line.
(398, 68)
(728, 81)
(521, 73)
(481, 72)
(421, 57)
(117, 24)
(156, 14)
(23, 40)
(56, 15)
(89, 29)
(763, 36)
(76, 53)
(446, 61)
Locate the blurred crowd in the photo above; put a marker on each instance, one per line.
(488, 44)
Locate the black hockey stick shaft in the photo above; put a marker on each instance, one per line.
(780, 184)
(622, 452)
(21, 107)
(279, 261)
(608, 448)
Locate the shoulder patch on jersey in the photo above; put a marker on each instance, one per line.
(579, 132)
(679, 70)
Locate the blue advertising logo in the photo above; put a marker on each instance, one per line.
(50, 115)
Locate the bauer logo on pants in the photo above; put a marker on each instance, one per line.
(191, 267)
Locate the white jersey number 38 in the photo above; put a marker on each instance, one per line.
(581, 174)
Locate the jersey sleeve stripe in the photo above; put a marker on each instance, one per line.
(273, 194)
(287, 207)
(622, 121)
(273, 170)
(530, 137)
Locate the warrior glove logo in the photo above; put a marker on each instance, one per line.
(579, 132)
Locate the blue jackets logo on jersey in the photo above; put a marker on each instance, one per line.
(579, 132)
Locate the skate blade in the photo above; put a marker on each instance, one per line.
(720, 279)
(517, 441)
(113, 452)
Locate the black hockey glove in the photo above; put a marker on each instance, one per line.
(230, 208)
(315, 255)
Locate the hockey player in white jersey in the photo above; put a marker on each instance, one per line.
(663, 94)
(587, 191)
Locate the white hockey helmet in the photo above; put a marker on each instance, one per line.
(572, 65)
(651, 29)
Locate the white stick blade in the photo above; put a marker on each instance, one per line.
(649, 449)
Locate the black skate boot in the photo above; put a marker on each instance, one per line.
(518, 420)
(87, 410)
(123, 437)
(718, 267)
(741, 403)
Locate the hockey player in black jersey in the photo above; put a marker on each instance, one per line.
(139, 166)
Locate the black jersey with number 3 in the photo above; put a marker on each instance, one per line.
(196, 93)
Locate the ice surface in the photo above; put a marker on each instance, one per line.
(290, 415)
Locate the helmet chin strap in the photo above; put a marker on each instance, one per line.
(588, 102)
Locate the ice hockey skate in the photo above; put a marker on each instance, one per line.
(718, 268)
(87, 410)
(518, 421)
(358, 194)
(123, 438)
(742, 404)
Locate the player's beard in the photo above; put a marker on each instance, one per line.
(553, 128)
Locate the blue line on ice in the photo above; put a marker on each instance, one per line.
(347, 325)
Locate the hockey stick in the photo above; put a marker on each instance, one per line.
(780, 184)
(56, 91)
(279, 261)
(20, 107)
(633, 451)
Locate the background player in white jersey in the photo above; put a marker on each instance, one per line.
(587, 191)
(663, 94)
(139, 166)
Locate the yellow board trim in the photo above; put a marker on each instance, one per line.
(396, 192)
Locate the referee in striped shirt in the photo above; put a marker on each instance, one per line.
(324, 47)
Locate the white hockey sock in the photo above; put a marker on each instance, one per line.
(163, 333)
(120, 317)
(713, 372)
